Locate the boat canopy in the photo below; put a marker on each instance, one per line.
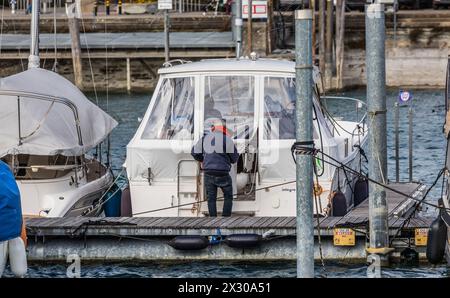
(255, 99)
(42, 113)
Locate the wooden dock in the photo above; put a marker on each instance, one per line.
(145, 238)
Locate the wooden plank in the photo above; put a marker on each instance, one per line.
(194, 223)
(180, 223)
(247, 223)
(229, 220)
(155, 223)
(213, 221)
(270, 223)
(237, 223)
(145, 221)
(258, 221)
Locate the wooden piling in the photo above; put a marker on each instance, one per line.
(74, 28)
(249, 28)
(322, 4)
(128, 75)
(329, 44)
(340, 25)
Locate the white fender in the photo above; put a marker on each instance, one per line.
(3, 256)
(17, 257)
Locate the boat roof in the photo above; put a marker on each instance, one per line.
(232, 64)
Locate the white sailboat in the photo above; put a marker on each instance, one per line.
(254, 96)
(47, 128)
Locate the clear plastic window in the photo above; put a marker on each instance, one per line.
(279, 108)
(231, 98)
(172, 116)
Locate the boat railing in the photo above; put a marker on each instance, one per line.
(358, 114)
(171, 63)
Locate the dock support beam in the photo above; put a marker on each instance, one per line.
(74, 28)
(376, 99)
(304, 163)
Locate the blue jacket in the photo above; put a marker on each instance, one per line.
(10, 208)
(217, 152)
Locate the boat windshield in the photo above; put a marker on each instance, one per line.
(172, 116)
(232, 99)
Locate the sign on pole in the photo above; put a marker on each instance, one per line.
(165, 4)
(404, 96)
(259, 9)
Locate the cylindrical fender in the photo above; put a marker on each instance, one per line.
(3, 256)
(125, 203)
(361, 190)
(17, 257)
(189, 242)
(437, 238)
(338, 204)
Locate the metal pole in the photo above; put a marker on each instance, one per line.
(410, 116)
(249, 27)
(238, 29)
(166, 35)
(396, 126)
(304, 163)
(376, 98)
(33, 59)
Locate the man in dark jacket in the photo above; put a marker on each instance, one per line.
(217, 152)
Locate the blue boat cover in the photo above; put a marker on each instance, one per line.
(10, 208)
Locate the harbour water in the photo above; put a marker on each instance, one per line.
(429, 155)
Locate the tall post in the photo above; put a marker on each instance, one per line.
(340, 32)
(74, 29)
(107, 7)
(33, 59)
(166, 35)
(250, 28)
(303, 133)
(397, 141)
(329, 44)
(233, 20)
(410, 142)
(238, 29)
(322, 4)
(376, 99)
(314, 39)
(128, 75)
(119, 7)
(95, 7)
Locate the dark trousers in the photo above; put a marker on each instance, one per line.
(211, 184)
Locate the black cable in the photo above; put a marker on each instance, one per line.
(339, 164)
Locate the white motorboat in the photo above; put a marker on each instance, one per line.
(256, 97)
(47, 128)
